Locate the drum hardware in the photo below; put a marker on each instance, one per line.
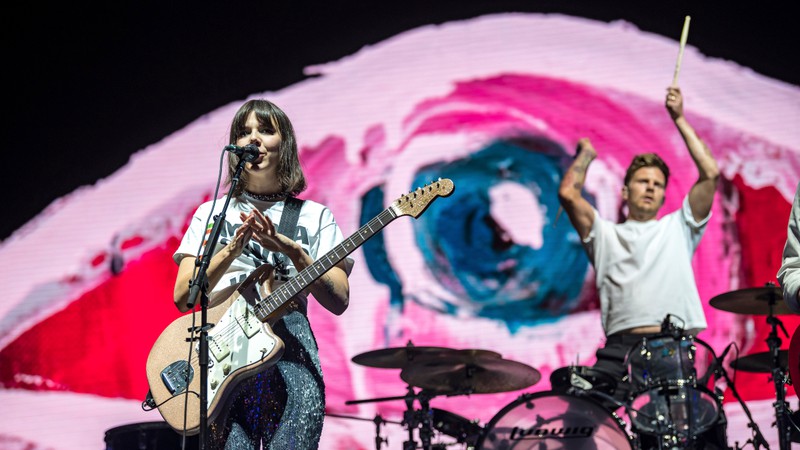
(411, 358)
(412, 418)
(766, 301)
(758, 439)
(377, 420)
(443, 371)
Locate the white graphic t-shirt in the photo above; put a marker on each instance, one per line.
(316, 232)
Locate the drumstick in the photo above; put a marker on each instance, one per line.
(684, 35)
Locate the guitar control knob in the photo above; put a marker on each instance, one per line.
(226, 368)
(214, 384)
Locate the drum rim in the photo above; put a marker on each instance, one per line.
(551, 393)
(673, 337)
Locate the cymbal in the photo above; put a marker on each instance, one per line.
(395, 357)
(469, 373)
(760, 362)
(752, 301)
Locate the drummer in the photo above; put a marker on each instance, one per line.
(643, 265)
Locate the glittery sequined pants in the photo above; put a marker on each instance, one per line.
(283, 407)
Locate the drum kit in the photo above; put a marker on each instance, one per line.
(673, 402)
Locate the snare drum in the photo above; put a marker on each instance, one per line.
(670, 394)
(555, 420)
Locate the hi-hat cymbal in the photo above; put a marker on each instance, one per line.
(395, 357)
(469, 373)
(752, 301)
(760, 362)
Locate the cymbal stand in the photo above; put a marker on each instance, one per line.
(778, 377)
(426, 420)
(422, 417)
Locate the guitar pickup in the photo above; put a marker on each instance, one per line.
(219, 351)
(249, 324)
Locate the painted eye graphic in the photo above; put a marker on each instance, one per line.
(494, 247)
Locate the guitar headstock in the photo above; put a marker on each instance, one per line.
(418, 200)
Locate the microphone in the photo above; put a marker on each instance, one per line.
(249, 152)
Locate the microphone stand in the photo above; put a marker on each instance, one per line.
(758, 437)
(199, 285)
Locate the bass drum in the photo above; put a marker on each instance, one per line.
(555, 420)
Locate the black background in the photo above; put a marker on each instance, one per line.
(89, 86)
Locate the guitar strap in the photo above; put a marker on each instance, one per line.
(287, 227)
(291, 212)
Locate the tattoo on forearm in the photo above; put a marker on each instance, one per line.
(578, 171)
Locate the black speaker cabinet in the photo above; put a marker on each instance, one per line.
(147, 436)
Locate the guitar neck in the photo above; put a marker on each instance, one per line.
(288, 290)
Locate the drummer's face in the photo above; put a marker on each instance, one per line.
(645, 193)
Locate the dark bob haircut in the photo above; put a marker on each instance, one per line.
(289, 172)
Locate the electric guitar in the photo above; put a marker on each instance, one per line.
(241, 342)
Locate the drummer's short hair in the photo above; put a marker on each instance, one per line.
(647, 160)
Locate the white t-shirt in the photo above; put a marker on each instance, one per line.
(317, 233)
(644, 271)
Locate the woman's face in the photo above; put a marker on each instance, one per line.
(263, 169)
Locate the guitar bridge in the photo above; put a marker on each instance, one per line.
(177, 376)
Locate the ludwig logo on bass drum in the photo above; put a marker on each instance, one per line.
(535, 432)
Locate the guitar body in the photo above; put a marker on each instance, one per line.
(239, 345)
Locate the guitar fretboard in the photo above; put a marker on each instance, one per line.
(308, 275)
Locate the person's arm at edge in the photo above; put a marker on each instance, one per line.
(789, 273)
